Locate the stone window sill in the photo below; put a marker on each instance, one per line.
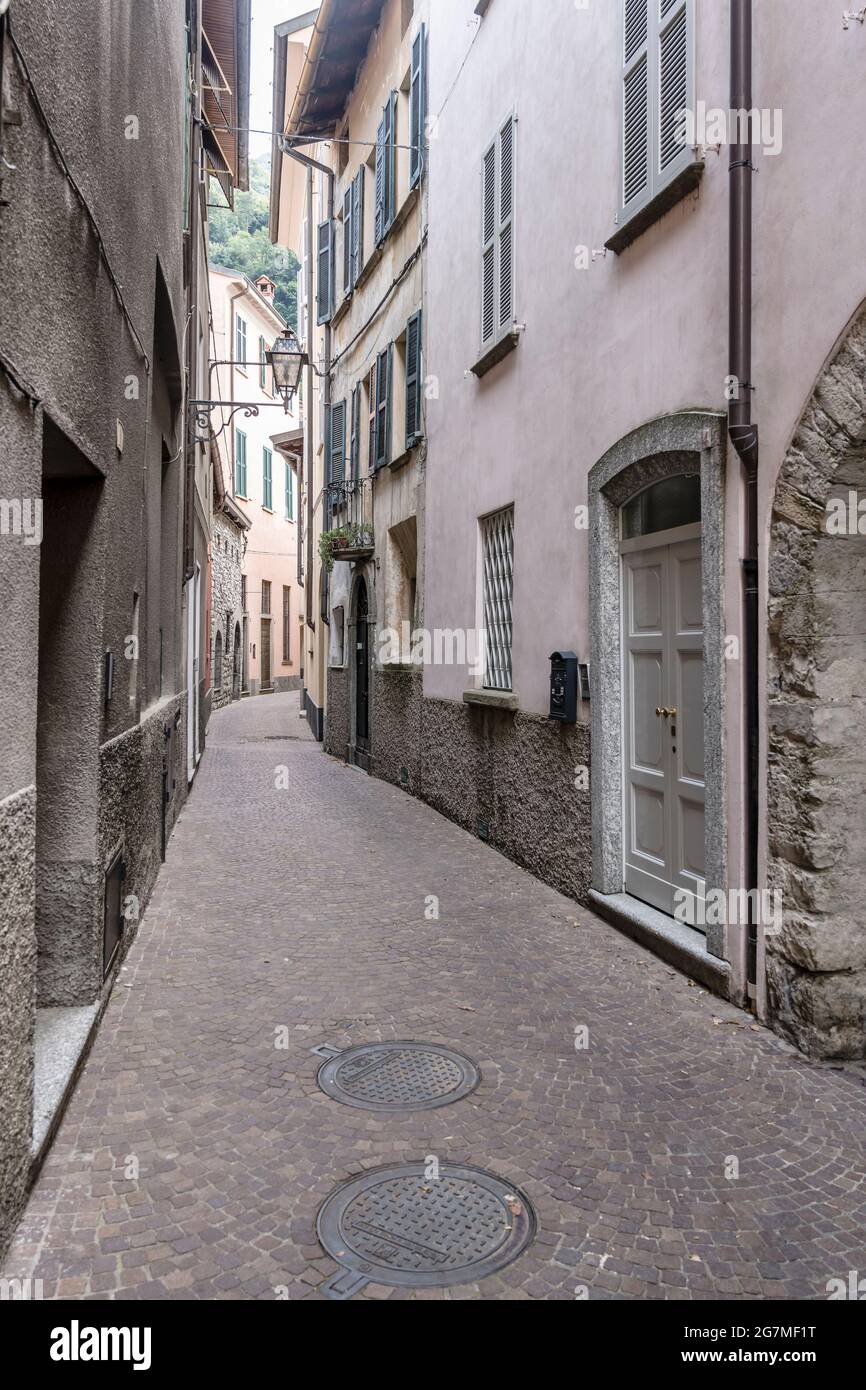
(505, 700)
(505, 344)
(679, 188)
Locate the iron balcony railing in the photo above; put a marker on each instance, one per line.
(349, 517)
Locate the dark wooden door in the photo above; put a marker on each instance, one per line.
(362, 670)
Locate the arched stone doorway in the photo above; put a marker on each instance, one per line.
(816, 847)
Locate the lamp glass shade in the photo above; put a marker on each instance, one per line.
(286, 358)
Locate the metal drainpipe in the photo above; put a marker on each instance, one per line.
(743, 433)
(313, 164)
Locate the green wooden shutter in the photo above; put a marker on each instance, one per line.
(357, 225)
(240, 463)
(418, 105)
(355, 441)
(337, 465)
(267, 479)
(290, 494)
(325, 256)
(380, 181)
(263, 365)
(348, 278)
(383, 408)
(413, 380)
(372, 402)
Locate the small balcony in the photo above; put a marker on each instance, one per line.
(348, 520)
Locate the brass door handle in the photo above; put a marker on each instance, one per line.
(662, 713)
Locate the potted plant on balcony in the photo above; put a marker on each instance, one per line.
(332, 544)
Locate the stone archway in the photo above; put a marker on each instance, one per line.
(816, 961)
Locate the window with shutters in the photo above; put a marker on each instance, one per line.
(386, 169)
(337, 444)
(418, 106)
(241, 343)
(657, 55)
(382, 425)
(325, 271)
(266, 598)
(497, 232)
(290, 493)
(267, 479)
(497, 544)
(414, 423)
(240, 464)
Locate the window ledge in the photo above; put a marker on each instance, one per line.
(505, 700)
(679, 188)
(342, 309)
(495, 354)
(400, 668)
(402, 459)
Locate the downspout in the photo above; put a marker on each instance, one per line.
(743, 432)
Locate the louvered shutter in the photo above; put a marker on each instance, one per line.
(383, 407)
(658, 83)
(413, 380)
(372, 401)
(380, 181)
(636, 101)
(337, 464)
(488, 248)
(418, 105)
(506, 223)
(355, 440)
(390, 159)
(325, 257)
(357, 225)
(347, 242)
(673, 86)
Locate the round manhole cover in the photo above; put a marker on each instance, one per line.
(398, 1076)
(409, 1228)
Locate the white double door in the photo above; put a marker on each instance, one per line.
(664, 789)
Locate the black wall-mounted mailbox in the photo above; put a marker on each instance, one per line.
(563, 687)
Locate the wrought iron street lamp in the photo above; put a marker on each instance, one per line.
(287, 360)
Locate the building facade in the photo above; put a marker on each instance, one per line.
(638, 637)
(105, 517)
(597, 287)
(263, 484)
(361, 235)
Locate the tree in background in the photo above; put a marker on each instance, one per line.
(239, 240)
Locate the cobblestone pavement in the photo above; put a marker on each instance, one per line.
(304, 909)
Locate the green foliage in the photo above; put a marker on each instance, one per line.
(239, 241)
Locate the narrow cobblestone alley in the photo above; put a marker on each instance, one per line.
(625, 1149)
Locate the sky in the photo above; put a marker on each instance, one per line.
(266, 14)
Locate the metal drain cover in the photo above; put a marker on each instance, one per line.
(398, 1077)
(398, 1226)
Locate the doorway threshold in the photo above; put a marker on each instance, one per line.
(60, 1046)
(676, 943)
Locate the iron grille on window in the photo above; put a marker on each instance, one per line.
(498, 541)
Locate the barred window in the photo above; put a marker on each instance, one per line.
(497, 533)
